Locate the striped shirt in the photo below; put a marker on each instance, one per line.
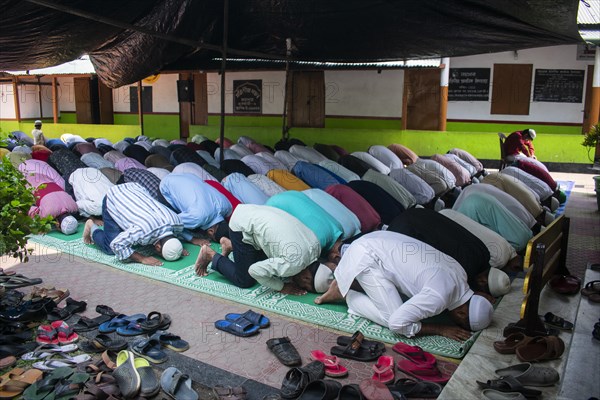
(143, 220)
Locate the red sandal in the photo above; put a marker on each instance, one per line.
(65, 333)
(429, 373)
(333, 368)
(46, 334)
(384, 369)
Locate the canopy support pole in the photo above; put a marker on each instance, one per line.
(223, 66)
(444, 79)
(40, 97)
(140, 106)
(54, 100)
(285, 132)
(16, 98)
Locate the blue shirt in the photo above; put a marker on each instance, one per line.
(325, 227)
(246, 191)
(199, 205)
(316, 176)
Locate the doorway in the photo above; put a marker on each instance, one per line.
(421, 99)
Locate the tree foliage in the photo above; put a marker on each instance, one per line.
(592, 138)
(15, 224)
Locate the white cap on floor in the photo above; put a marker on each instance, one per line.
(498, 282)
(68, 225)
(480, 312)
(323, 278)
(172, 249)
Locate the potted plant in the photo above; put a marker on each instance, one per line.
(15, 224)
(591, 140)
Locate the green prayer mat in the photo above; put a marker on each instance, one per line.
(182, 273)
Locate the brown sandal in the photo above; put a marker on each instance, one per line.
(541, 348)
(592, 287)
(230, 393)
(512, 341)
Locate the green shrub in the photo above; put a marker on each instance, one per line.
(15, 223)
(591, 139)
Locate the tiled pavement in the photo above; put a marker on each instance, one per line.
(194, 313)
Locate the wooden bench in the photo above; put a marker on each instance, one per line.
(546, 254)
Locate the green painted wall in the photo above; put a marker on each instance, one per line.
(550, 146)
(553, 143)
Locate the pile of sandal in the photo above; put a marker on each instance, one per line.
(308, 382)
(514, 380)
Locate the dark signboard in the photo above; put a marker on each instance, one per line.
(247, 96)
(469, 84)
(558, 85)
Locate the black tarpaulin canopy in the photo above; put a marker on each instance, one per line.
(130, 40)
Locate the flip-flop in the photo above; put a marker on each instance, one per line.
(46, 334)
(118, 321)
(132, 329)
(103, 342)
(333, 368)
(42, 388)
(557, 322)
(592, 287)
(47, 350)
(414, 388)
(72, 307)
(65, 333)
(375, 390)
(177, 384)
(53, 363)
(252, 316)
(85, 324)
(155, 321)
(18, 281)
(383, 370)
(429, 373)
(240, 327)
(414, 353)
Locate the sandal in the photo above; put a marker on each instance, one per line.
(85, 324)
(46, 334)
(150, 350)
(170, 341)
(592, 287)
(557, 322)
(414, 353)
(42, 388)
(72, 307)
(384, 370)
(429, 373)
(412, 388)
(240, 327)
(46, 350)
(253, 317)
(155, 321)
(177, 384)
(512, 341)
(372, 345)
(333, 368)
(58, 360)
(103, 342)
(509, 384)
(541, 348)
(230, 393)
(17, 380)
(355, 351)
(119, 321)
(285, 351)
(65, 333)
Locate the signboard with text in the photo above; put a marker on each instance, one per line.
(469, 84)
(247, 96)
(558, 85)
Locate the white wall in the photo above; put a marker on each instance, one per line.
(66, 94)
(364, 93)
(164, 95)
(29, 100)
(556, 57)
(272, 87)
(7, 101)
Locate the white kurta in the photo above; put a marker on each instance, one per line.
(89, 186)
(389, 263)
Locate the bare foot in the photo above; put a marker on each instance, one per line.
(226, 246)
(204, 258)
(97, 221)
(331, 295)
(87, 232)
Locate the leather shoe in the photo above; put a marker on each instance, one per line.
(565, 284)
(298, 378)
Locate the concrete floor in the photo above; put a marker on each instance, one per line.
(220, 358)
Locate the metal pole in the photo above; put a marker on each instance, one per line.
(288, 53)
(223, 66)
(140, 106)
(40, 97)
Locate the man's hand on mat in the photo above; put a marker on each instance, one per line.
(290, 288)
(184, 252)
(454, 332)
(147, 260)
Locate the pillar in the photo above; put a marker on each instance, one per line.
(444, 79)
(595, 101)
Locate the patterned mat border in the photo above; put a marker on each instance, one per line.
(264, 298)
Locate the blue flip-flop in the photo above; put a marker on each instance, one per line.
(118, 321)
(132, 329)
(253, 317)
(240, 327)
